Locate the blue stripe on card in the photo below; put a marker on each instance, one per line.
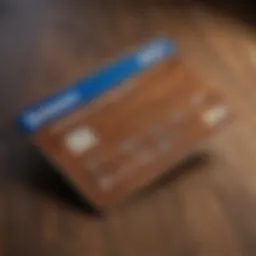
(81, 92)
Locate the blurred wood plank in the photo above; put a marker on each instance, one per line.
(206, 210)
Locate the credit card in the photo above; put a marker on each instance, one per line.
(117, 130)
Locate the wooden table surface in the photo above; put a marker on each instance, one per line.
(207, 208)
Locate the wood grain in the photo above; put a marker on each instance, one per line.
(206, 210)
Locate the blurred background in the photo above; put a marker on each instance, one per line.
(208, 209)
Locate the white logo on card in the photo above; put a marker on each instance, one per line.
(152, 54)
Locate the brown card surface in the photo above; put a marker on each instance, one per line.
(131, 134)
